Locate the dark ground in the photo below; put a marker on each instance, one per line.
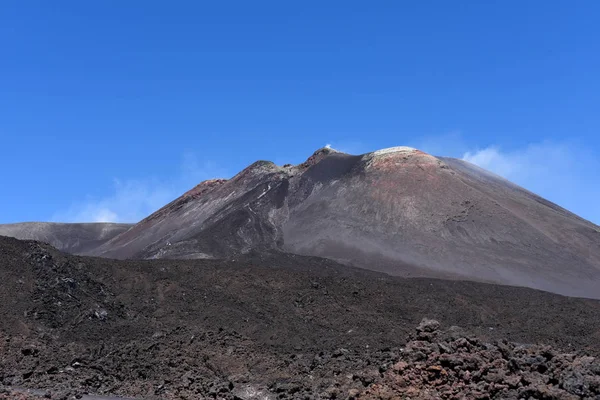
(290, 326)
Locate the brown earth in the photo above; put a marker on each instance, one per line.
(278, 324)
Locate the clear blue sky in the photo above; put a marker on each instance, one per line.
(110, 108)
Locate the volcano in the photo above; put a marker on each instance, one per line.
(399, 210)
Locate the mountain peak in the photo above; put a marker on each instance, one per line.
(402, 157)
(397, 210)
(327, 150)
(317, 156)
(396, 149)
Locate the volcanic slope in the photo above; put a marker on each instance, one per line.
(75, 238)
(265, 320)
(398, 210)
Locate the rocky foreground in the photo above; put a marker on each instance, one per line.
(451, 365)
(277, 326)
(434, 364)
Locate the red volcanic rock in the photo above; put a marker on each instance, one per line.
(448, 367)
(204, 187)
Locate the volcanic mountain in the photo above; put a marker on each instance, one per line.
(73, 238)
(397, 210)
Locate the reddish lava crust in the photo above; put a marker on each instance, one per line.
(204, 187)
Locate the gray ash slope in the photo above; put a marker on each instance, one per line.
(398, 211)
(296, 326)
(75, 238)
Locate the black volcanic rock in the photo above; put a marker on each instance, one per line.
(292, 327)
(398, 210)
